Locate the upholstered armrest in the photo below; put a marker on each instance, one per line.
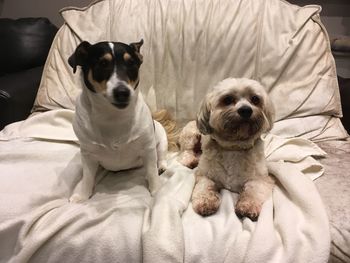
(17, 94)
(344, 86)
(24, 46)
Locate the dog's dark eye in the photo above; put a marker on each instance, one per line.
(104, 63)
(228, 100)
(130, 62)
(255, 100)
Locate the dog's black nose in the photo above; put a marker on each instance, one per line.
(121, 94)
(245, 112)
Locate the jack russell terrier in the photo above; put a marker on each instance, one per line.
(112, 122)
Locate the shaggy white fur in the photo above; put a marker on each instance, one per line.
(232, 117)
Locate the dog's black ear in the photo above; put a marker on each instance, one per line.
(203, 118)
(137, 47)
(79, 57)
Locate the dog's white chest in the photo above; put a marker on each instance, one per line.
(234, 170)
(237, 169)
(231, 169)
(116, 156)
(119, 142)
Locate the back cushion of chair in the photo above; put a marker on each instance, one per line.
(191, 45)
(24, 43)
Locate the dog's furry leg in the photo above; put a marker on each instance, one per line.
(162, 146)
(205, 196)
(252, 197)
(85, 186)
(190, 145)
(151, 170)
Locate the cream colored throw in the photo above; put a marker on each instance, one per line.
(40, 161)
(189, 45)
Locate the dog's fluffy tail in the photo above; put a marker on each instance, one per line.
(170, 126)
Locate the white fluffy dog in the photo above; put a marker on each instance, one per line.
(232, 117)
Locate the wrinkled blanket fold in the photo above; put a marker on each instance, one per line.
(40, 165)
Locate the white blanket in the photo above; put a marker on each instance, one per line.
(40, 164)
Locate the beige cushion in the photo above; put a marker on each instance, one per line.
(191, 45)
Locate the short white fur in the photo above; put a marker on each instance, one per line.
(117, 139)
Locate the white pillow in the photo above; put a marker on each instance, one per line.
(191, 45)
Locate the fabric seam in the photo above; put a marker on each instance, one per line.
(258, 42)
(68, 8)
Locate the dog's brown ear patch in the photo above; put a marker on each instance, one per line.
(79, 57)
(203, 118)
(269, 111)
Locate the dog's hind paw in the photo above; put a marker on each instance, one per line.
(77, 198)
(248, 208)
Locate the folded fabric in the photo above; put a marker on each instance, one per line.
(298, 151)
(40, 164)
(293, 225)
(50, 125)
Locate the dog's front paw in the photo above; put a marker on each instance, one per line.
(248, 208)
(77, 198)
(161, 170)
(207, 204)
(162, 167)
